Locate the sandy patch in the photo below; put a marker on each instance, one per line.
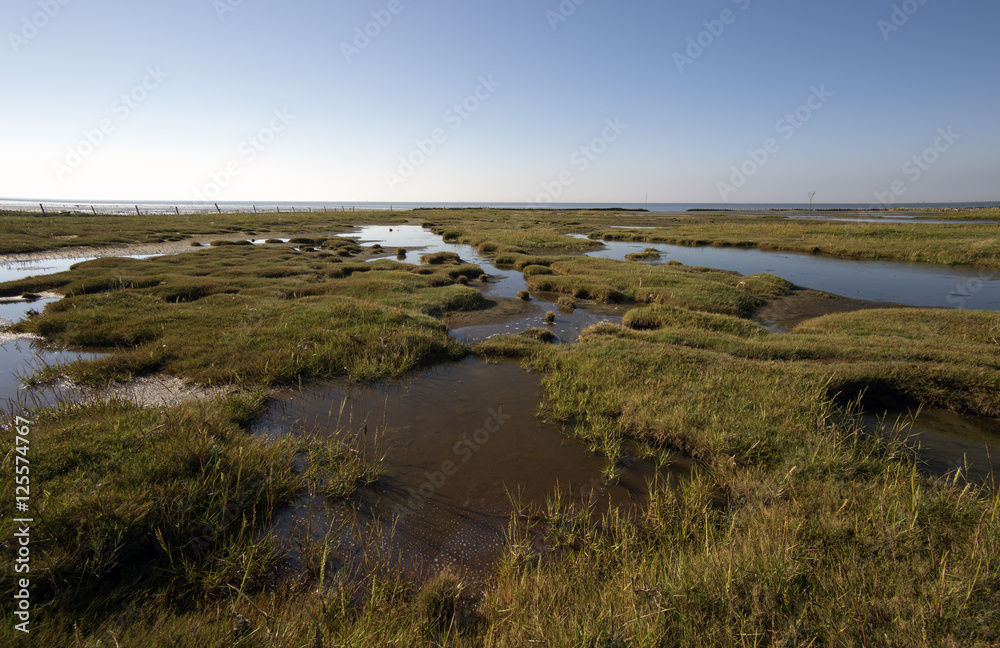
(7, 336)
(154, 391)
(21, 300)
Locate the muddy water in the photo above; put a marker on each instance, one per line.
(911, 284)
(457, 441)
(946, 442)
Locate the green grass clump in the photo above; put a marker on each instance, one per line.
(438, 601)
(536, 270)
(223, 243)
(649, 254)
(566, 303)
(439, 258)
(539, 334)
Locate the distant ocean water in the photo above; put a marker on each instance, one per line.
(187, 207)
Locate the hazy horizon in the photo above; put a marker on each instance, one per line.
(571, 101)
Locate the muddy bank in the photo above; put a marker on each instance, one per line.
(157, 391)
(786, 312)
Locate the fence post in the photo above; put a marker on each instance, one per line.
(93, 209)
(217, 208)
(255, 209)
(43, 208)
(139, 213)
(177, 209)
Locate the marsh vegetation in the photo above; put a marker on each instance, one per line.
(794, 526)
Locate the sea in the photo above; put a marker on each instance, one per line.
(187, 207)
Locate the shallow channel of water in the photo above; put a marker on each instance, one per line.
(457, 440)
(15, 270)
(912, 284)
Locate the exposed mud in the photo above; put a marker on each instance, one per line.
(786, 312)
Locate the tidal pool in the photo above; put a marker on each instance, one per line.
(459, 441)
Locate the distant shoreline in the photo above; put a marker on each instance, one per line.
(110, 208)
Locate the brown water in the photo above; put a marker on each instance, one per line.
(459, 441)
(946, 443)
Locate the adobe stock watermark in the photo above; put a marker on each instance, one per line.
(454, 118)
(121, 109)
(970, 288)
(225, 7)
(562, 13)
(918, 165)
(367, 33)
(901, 14)
(33, 25)
(703, 40)
(787, 127)
(246, 152)
(464, 450)
(580, 161)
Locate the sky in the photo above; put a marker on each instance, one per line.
(743, 101)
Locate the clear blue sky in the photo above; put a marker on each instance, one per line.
(233, 67)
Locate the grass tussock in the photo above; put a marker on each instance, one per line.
(649, 254)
